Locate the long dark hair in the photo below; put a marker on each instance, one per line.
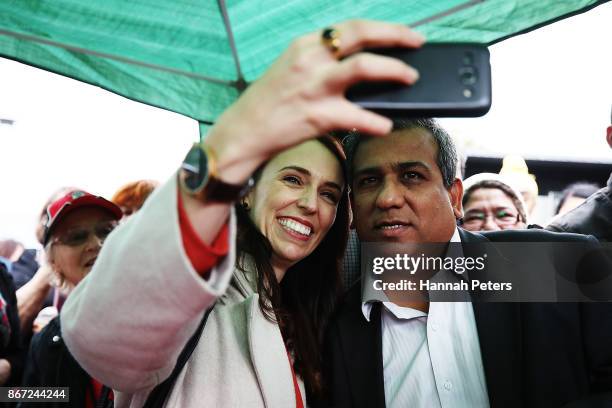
(304, 300)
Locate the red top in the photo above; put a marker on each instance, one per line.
(97, 393)
(202, 256)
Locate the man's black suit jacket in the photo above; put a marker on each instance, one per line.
(534, 354)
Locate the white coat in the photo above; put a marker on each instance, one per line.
(128, 320)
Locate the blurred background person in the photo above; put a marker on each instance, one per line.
(11, 352)
(594, 216)
(515, 171)
(10, 250)
(78, 223)
(33, 277)
(131, 196)
(21, 261)
(491, 203)
(574, 195)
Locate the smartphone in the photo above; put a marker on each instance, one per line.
(455, 81)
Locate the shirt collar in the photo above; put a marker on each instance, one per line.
(456, 237)
(398, 311)
(404, 313)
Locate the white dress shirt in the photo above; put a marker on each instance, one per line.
(432, 360)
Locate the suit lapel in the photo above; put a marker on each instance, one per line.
(499, 334)
(498, 328)
(362, 348)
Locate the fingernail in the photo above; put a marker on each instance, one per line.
(414, 74)
(420, 37)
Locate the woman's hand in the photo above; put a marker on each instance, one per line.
(5, 371)
(44, 317)
(31, 296)
(301, 96)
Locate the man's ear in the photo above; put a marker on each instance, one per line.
(609, 136)
(455, 193)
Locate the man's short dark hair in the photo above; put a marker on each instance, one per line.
(447, 152)
(581, 189)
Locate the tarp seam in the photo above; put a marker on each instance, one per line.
(446, 13)
(240, 83)
(115, 57)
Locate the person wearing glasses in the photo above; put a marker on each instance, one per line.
(33, 278)
(491, 203)
(76, 228)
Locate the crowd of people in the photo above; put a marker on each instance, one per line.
(72, 227)
(237, 283)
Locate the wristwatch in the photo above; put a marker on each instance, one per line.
(200, 180)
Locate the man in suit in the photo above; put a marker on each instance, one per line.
(416, 353)
(594, 216)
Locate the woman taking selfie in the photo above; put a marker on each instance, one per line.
(292, 229)
(268, 269)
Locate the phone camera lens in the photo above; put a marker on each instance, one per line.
(468, 75)
(468, 58)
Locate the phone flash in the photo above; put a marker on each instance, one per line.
(467, 92)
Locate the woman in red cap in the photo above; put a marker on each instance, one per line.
(78, 223)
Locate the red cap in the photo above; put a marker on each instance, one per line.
(71, 201)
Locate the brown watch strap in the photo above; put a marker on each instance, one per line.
(222, 192)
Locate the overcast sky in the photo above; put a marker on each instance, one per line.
(552, 95)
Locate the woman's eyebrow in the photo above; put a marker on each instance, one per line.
(296, 168)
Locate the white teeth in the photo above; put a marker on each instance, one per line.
(389, 227)
(295, 226)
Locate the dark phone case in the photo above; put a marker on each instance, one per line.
(448, 72)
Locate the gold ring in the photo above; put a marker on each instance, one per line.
(330, 37)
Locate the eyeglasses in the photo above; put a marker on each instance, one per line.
(78, 236)
(503, 218)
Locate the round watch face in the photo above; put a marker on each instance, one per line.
(196, 166)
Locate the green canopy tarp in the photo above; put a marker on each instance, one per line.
(195, 56)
